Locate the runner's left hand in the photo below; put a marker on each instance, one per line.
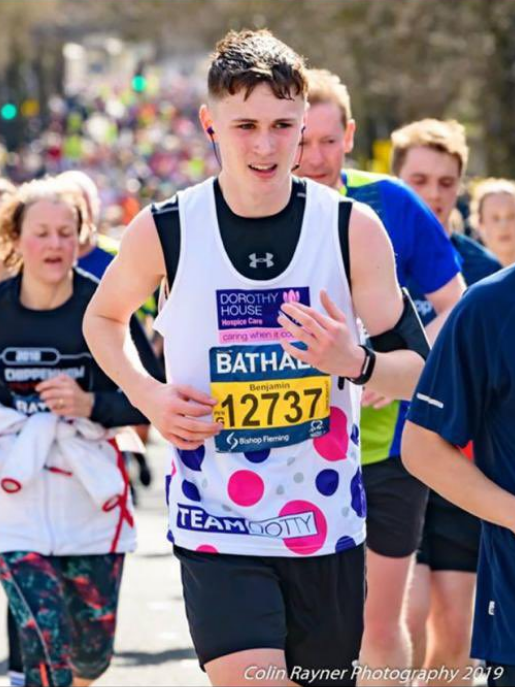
(65, 398)
(330, 344)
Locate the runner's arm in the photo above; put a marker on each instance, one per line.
(112, 407)
(378, 302)
(134, 274)
(463, 380)
(440, 465)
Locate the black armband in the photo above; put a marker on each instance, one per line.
(407, 334)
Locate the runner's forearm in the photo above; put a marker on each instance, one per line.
(396, 374)
(441, 466)
(112, 346)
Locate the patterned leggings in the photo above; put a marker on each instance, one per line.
(65, 609)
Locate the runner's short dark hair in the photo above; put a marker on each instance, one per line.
(245, 59)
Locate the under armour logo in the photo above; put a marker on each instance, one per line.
(268, 260)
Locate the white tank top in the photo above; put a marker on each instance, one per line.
(283, 478)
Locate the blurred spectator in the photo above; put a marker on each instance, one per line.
(493, 215)
(93, 257)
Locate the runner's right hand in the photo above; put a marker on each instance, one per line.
(173, 409)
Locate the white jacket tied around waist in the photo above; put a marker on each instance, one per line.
(63, 487)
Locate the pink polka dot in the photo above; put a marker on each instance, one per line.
(207, 548)
(245, 488)
(309, 544)
(174, 470)
(333, 445)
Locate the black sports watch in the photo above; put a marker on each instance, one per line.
(368, 367)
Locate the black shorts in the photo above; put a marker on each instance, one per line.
(311, 608)
(396, 502)
(500, 674)
(450, 539)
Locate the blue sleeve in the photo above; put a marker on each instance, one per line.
(453, 393)
(96, 262)
(427, 256)
(478, 262)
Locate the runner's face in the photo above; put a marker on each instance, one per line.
(49, 241)
(325, 143)
(435, 177)
(497, 225)
(258, 137)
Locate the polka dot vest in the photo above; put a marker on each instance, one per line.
(283, 478)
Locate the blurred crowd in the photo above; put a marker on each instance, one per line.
(141, 147)
(136, 147)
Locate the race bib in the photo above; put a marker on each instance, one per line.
(266, 398)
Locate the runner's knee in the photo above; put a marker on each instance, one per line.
(452, 634)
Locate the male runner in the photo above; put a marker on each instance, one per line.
(396, 501)
(260, 340)
(431, 156)
(466, 393)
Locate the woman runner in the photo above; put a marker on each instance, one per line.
(66, 516)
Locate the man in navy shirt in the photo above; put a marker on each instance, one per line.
(467, 392)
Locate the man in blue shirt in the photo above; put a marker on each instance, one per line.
(467, 392)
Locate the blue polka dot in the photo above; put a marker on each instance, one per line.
(190, 491)
(357, 490)
(193, 459)
(327, 482)
(257, 456)
(169, 536)
(168, 479)
(354, 437)
(344, 543)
